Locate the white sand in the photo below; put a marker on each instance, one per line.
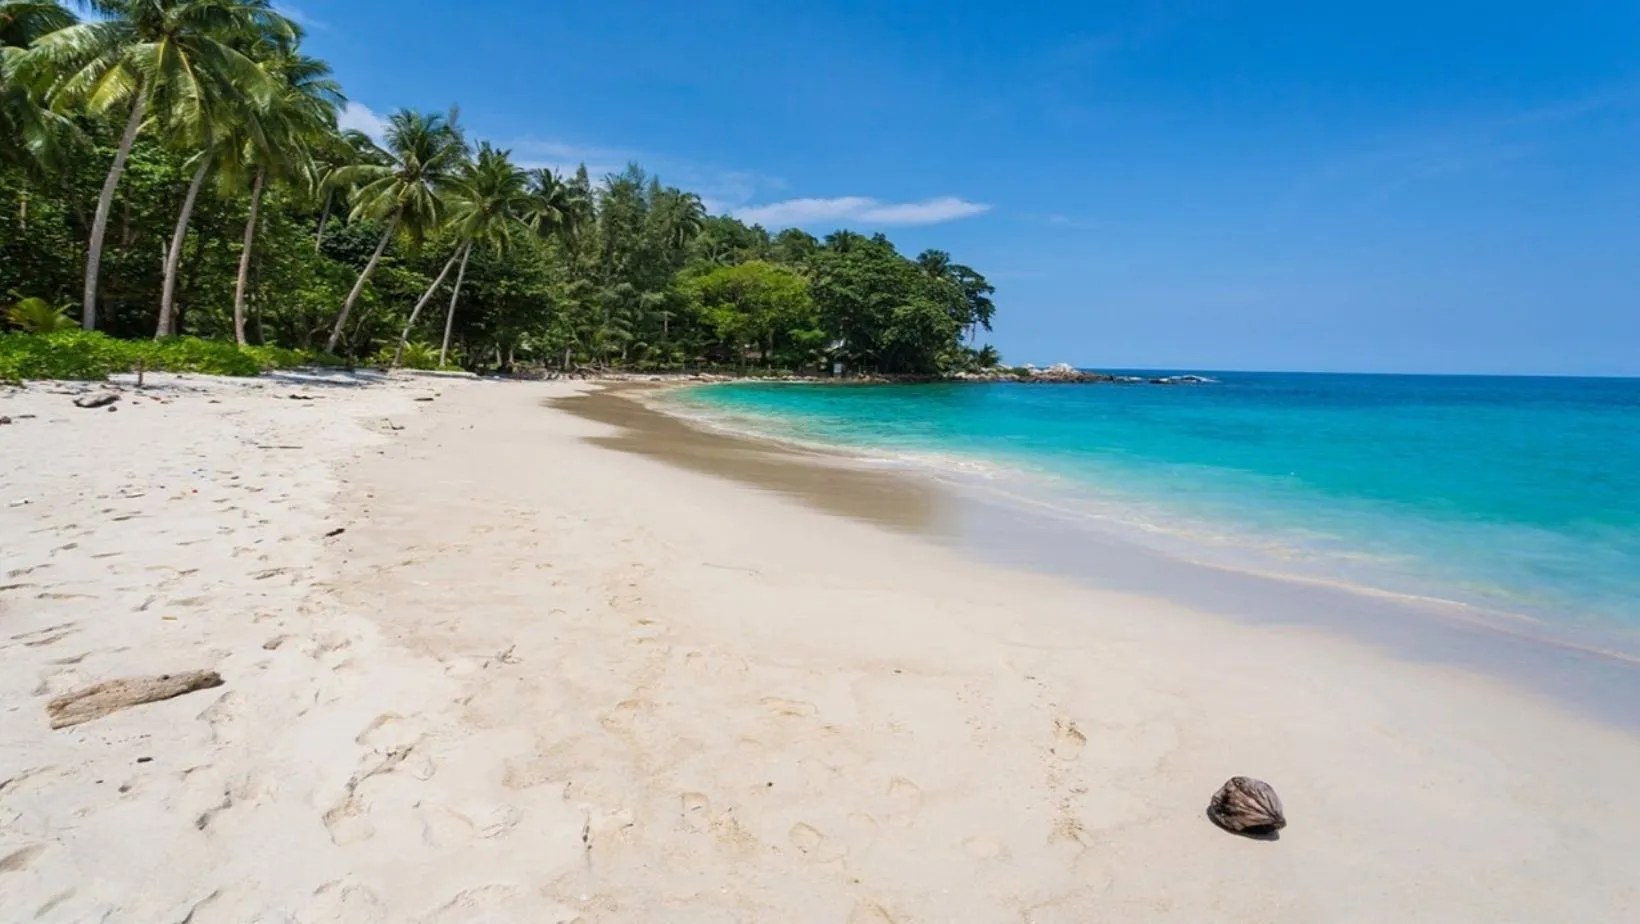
(539, 680)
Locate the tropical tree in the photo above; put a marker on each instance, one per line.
(280, 137)
(755, 304)
(405, 191)
(329, 154)
(170, 59)
(557, 207)
(490, 204)
(30, 133)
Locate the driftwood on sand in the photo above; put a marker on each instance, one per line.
(95, 401)
(97, 701)
(1247, 806)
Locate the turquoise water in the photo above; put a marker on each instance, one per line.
(1517, 495)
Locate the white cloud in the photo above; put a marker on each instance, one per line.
(301, 18)
(359, 117)
(861, 209)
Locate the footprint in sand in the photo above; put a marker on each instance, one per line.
(623, 718)
(984, 848)
(348, 820)
(905, 800)
(869, 913)
(813, 844)
(788, 707)
(694, 811)
(485, 903)
(444, 827)
(1068, 740)
(341, 903)
(226, 717)
(388, 731)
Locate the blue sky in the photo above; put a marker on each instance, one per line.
(1441, 187)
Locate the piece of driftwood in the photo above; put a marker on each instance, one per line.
(92, 401)
(1247, 806)
(97, 701)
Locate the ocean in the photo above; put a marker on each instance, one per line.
(1518, 497)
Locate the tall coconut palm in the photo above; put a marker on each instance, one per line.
(490, 204)
(280, 137)
(548, 206)
(213, 135)
(162, 58)
(201, 164)
(423, 157)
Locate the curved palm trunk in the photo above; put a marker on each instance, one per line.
(173, 257)
(105, 204)
(404, 338)
(324, 219)
(358, 287)
(243, 282)
(450, 319)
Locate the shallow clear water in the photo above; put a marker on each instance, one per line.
(1519, 495)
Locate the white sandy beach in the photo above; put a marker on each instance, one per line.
(541, 680)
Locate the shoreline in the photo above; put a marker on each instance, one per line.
(544, 673)
(1597, 679)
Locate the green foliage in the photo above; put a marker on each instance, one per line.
(65, 355)
(38, 316)
(345, 238)
(758, 306)
(416, 355)
(91, 355)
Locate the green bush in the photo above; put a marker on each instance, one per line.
(64, 355)
(276, 357)
(77, 354)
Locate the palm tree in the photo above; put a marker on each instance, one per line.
(556, 207)
(424, 153)
(29, 131)
(211, 151)
(682, 216)
(347, 148)
(280, 138)
(935, 264)
(165, 58)
(490, 204)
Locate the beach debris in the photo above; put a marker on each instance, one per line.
(336, 532)
(4, 421)
(109, 697)
(96, 401)
(1249, 807)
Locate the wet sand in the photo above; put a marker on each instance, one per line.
(825, 482)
